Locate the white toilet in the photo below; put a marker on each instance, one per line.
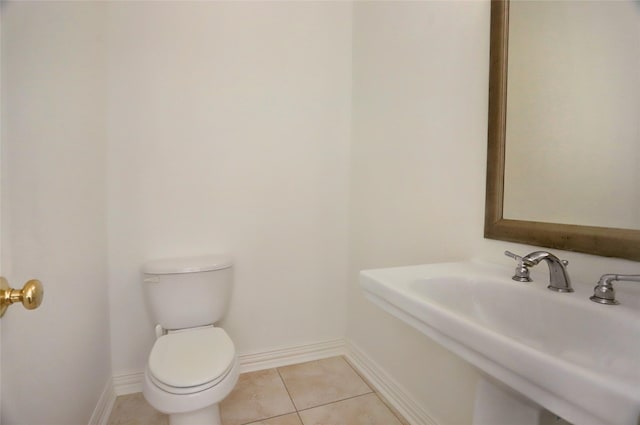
(193, 364)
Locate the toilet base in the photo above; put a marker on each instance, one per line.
(209, 415)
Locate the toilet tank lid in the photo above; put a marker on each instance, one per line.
(203, 263)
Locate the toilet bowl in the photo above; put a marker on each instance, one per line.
(193, 367)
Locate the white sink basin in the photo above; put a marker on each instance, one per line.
(578, 359)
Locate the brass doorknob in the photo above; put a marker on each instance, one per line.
(30, 295)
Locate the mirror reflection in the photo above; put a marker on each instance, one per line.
(572, 152)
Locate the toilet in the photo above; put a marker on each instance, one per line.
(193, 365)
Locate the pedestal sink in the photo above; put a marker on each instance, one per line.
(573, 357)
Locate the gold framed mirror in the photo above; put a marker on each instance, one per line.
(604, 241)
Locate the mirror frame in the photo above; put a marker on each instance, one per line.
(604, 241)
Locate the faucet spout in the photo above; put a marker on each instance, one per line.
(559, 280)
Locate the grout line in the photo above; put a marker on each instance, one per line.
(391, 408)
(371, 391)
(269, 418)
(383, 400)
(371, 388)
(295, 410)
(337, 401)
(289, 394)
(287, 389)
(365, 380)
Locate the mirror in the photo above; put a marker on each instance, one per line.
(511, 120)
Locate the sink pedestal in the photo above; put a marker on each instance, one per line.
(496, 404)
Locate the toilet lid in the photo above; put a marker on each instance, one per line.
(191, 357)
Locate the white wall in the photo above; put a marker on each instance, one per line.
(56, 359)
(228, 126)
(229, 130)
(418, 176)
(418, 151)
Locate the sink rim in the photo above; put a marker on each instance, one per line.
(618, 318)
(392, 286)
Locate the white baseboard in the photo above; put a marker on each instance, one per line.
(291, 355)
(132, 382)
(384, 384)
(105, 404)
(128, 383)
(387, 387)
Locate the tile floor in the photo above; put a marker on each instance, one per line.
(322, 392)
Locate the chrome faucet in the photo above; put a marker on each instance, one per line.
(604, 293)
(559, 280)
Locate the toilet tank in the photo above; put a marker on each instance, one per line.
(188, 292)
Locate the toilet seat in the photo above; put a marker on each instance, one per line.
(191, 360)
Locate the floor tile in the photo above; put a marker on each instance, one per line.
(133, 409)
(257, 396)
(395, 412)
(290, 419)
(362, 410)
(402, 420)
(334, 394)
(322, 381)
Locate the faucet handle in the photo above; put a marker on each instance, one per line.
(512, 255)
(522, 269)
(519, 258)
(604, 293)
